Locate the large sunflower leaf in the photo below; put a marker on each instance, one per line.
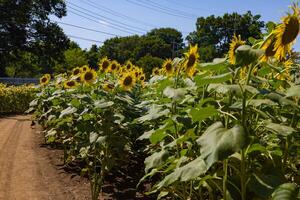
(212, 79)
(174, 94)
(279, 128)
(187, 172)
(293, 91)
(155, 159)
(286, 191)
(69, 110)
(217, 142)
(199, 114)
(154, 112)
(245, 55)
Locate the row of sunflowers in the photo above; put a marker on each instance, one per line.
(228, 129)
(15, 99)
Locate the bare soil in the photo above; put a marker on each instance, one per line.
(30, 170)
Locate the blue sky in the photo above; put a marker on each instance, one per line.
(127, 17)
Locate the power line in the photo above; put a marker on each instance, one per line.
(84, 28)
(112, 21)
(188, 6)
(159, 6)
(158, 10)
(118, 14)
(86, 39)
(76, 11)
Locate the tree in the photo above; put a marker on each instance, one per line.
(213, 34)
(149, 62)
(73, 57)
(151, 48)
(25, 27)
(93, 56)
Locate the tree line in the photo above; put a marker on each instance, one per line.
(31, 44)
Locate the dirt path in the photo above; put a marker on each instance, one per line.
(29, 171)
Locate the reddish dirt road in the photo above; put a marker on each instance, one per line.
(31, 172)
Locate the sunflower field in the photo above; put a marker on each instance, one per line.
(15, 99)
(228, 129)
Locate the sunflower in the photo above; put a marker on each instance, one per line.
(155, 71)
(235, 43)
(127, 81)
(284, 75)
(113, 66)
(142, 77)
(286, 33)
(167, 67)
(85, 68)
(70, 84)
(89, 77)
(104, 64)
(44, 80)
(128, 65)
(192, 57)
(268, 47)
(76, 71)
(108, 86)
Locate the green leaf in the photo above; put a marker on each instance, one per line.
(286, 191)
(175, 94)
(246, 55)
(263, 184)
(101, 104)
(156, 159)
(259, 102)
(154, 112)
(187, 172)
(157, 136)
(146, 135)
(293, 91)
(216, 65)
(217, 143)
(93, 137)
(281, 100)
(256, 147)
(213, 79)
(69, 110)
(279, 128)
(235, 89)
(75, 103)
(199, 114)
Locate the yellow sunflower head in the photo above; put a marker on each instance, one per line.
(70, 84)
(268, 47)
(234, 44)
(142, 78)
(113, 67)
(108, 87)
(128, 65)
(167, 67)
(191, 57)
(104, 64)
(127, 81)
(44, 80)
(85, 68)
(89, 77)
(286, 33)
(155, 71)
(284, 75)
(76, 71)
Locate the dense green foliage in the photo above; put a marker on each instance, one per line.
(26, 33)
(213, 33)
